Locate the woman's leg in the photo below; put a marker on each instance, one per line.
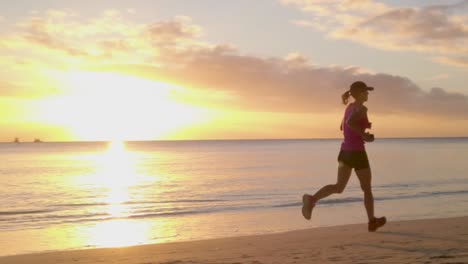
(308, 201)
(365, 177)
(344, 172)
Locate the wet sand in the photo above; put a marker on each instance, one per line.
(416, 241)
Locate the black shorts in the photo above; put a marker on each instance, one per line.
(354, 159)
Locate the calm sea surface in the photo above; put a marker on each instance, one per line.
(58, 196)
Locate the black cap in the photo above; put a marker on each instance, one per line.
(359, 86)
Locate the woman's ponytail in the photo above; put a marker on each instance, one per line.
(345, 97)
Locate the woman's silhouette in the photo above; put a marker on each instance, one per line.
(352, 155)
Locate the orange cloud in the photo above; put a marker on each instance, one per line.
(437, 29)
(172, 31)
(220, 75)
(37, 32)
(8, 89)
(294, 85)
(455, 61)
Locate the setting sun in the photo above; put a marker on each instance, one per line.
(109, 106)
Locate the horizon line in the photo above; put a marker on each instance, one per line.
(226, 139)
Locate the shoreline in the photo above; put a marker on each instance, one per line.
(409, 241)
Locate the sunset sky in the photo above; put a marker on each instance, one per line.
(211, 69)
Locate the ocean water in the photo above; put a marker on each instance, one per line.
(57, 196)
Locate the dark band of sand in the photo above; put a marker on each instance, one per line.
(417, 241)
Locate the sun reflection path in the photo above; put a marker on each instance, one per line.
(119, 233)
(117, 173)
(115, 188)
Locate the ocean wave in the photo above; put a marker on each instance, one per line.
(41, 218)
(423, 194)
(139, 202)
(325, 201)
(421, 184)
(24, 212)
(384, 198)
(48, 220)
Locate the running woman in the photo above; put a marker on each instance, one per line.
(352, 155)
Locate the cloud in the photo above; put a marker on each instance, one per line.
(439, 30)
(427, 29)
(313, 24)
(8, 89)
(294, 85)
(118, 44)
(66, 32)
(172, 31)
(441, 76)
(455, 61)
(282, 85)
(18, 90)
(110, 35)
(220, 75)
(36, 31)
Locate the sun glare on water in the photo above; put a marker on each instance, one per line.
(116, 182)
(116, 174)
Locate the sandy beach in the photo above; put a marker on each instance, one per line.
(416, 241)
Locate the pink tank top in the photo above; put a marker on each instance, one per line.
(352, 141)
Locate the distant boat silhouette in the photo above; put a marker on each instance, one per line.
(36, 140)
(17, 140)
